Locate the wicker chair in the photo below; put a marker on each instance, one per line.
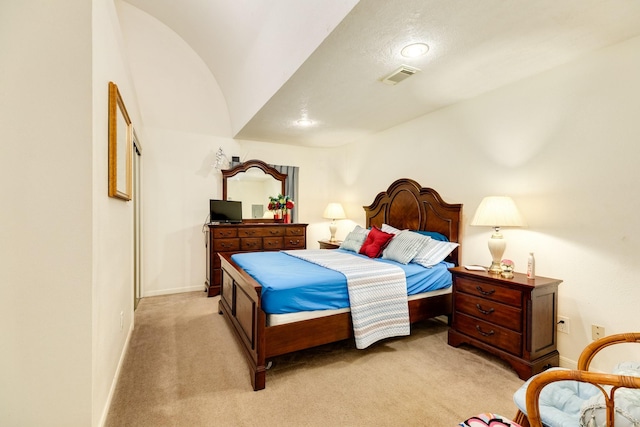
(581, 381)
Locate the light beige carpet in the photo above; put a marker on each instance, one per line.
(184, 368)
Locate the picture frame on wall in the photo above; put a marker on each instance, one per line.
(120, 134)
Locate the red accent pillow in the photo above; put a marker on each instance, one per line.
(375, 243)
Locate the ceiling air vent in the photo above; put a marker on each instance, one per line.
(402, 73)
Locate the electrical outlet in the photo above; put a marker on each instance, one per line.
(121, 320)
(563, 324)
(597, 332)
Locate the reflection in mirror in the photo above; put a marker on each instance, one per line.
(253, 188)
(252, 183)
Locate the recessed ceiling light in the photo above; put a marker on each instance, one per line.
(304, 122)
(414, 50)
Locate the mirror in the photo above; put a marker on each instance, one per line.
(252, 182)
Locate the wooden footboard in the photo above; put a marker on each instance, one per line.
(240, 304)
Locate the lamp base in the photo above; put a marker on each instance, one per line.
(495, 268)
(332, 229)
(497, 245)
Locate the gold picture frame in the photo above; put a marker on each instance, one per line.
(119, 146)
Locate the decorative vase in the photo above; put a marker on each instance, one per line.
(287, 216)
(276, 214)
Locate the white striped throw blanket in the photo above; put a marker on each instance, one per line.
(377, 294)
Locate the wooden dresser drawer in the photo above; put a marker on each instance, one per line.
(295, 231)
(294, 243)
(490, 311)
(224, 232)
(251, 244)
(490, 291)
(260, 232)
(272, 243)
(226, 245)
(489, 333)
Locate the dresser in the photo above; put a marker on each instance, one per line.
(514, 319)
(248, 237)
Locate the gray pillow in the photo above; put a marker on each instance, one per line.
(404, 246)
(354, 240)
(434, 252)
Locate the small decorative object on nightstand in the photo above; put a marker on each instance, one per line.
(327, 244)
(507, 268)
(514, 319)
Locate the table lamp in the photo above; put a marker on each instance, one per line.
(333, 211)
(496, 212)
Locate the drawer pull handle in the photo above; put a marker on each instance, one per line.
(483, 333)
(483, 292)
(273, 231)
(481, 310)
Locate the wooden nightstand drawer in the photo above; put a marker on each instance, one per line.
(489, 333)
(490, 311)
(490, 291)
(327, 244)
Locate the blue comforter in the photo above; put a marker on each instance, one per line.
(290, 284)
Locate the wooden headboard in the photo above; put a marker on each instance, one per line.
(407, 205)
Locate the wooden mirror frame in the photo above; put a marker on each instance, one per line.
(243, 167)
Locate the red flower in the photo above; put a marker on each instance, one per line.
(289, 204)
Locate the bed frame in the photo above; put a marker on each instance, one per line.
(405, 205)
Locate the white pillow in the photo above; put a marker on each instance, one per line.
(389, 229)
(404, 246)
(434, 252)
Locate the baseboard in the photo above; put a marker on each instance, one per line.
(173, 291)
(114, 383)
(568, 363)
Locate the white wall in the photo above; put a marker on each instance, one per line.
(66, 268)
(564, 144)
(46, 225)
(112, 218)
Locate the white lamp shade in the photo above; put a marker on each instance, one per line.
(498, 211)
(334, 211)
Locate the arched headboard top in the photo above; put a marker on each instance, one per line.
(408, 205)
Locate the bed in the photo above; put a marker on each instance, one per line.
(404, 205)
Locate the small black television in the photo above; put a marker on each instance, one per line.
(227, 211)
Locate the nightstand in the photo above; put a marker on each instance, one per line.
(514, 319)
(326, 244)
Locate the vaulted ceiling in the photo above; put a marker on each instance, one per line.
(279, 61)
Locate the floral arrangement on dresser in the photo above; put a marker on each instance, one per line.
(281, 205)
